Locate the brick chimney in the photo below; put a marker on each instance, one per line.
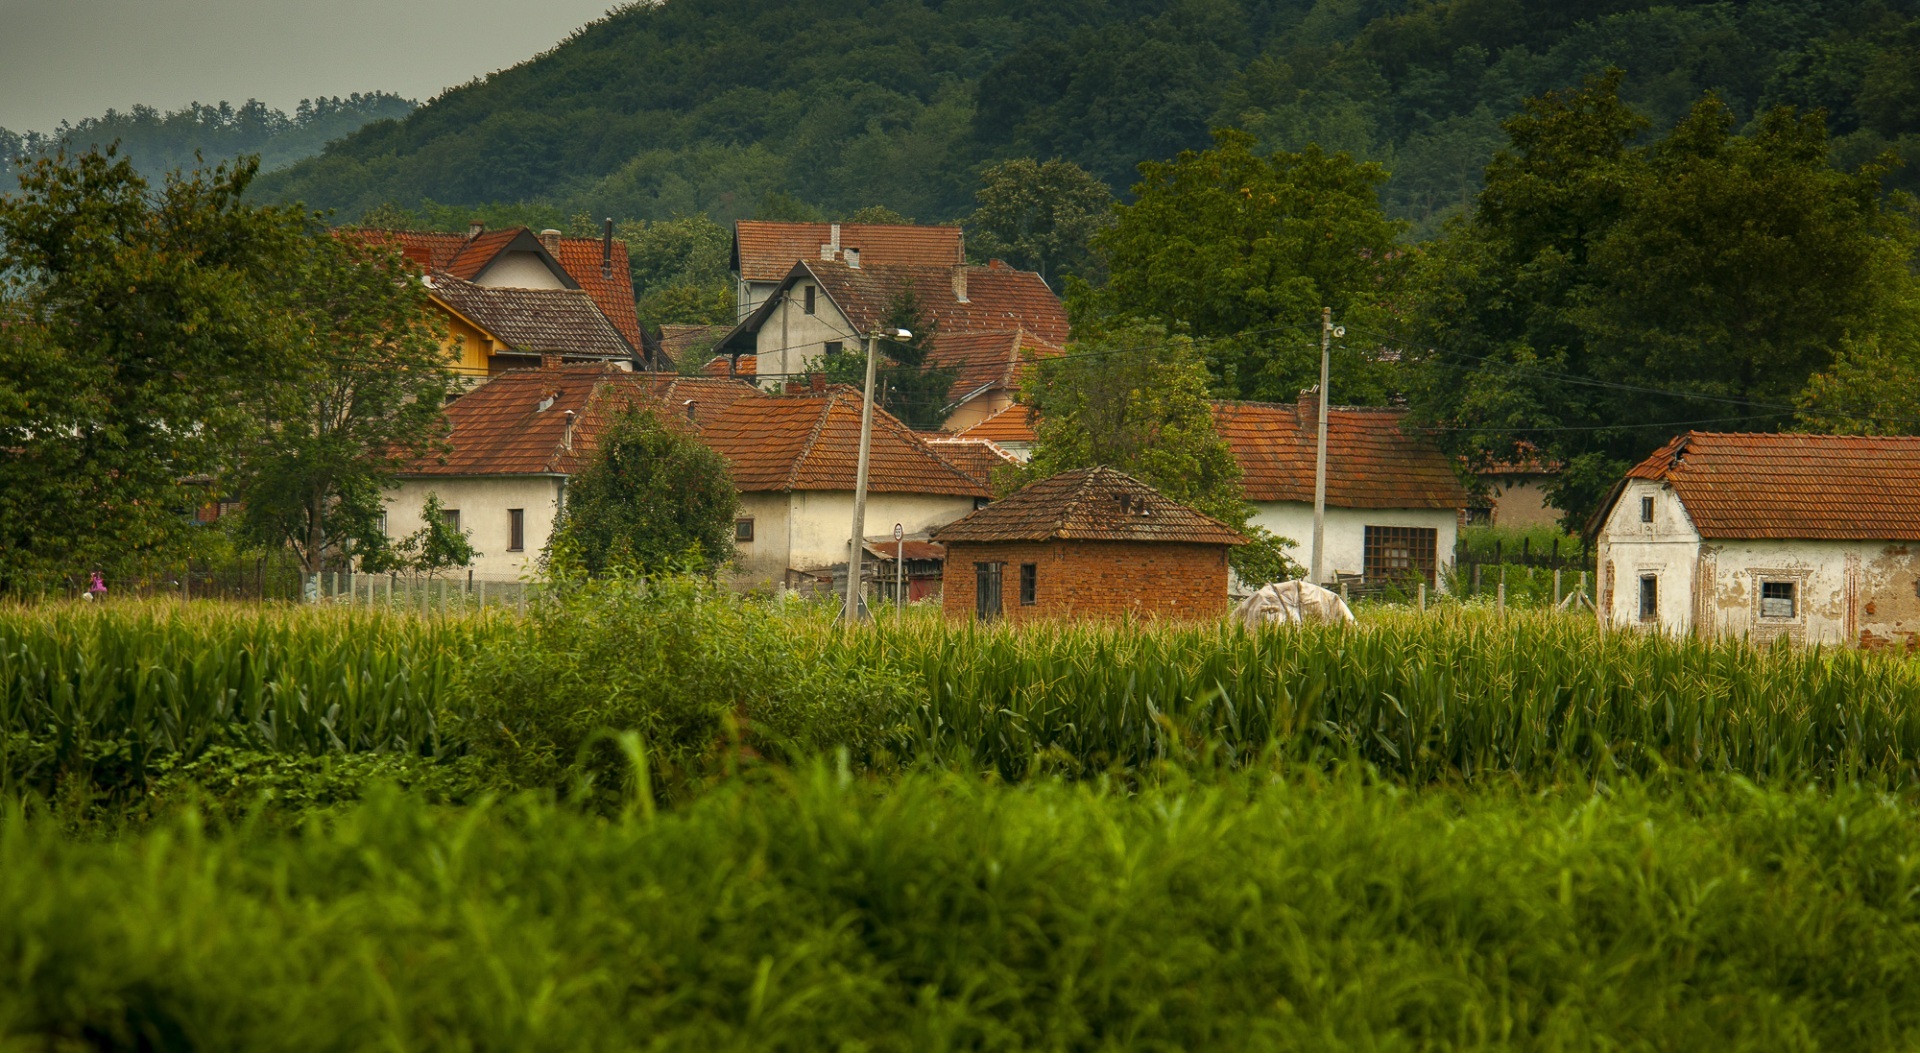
(853, 257)
(831, 249)
(960, 283)
(550, 240)
(817, 383)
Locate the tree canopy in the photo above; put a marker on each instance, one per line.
(651, 498)
(1609, 291)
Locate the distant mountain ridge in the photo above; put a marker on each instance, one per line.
(804, 109)
(159, 142)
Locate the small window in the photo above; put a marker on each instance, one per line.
(516, 530)
(1777, 600)
(1646, 510)
(1400, 554)
(806, 296)
(451, 517)
(383, 533)
(833, 348)
(743, 529)
(1029, 584)
(1649, 597)
(986, 590)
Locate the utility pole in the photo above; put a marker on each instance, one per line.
(852, 613)
(1318, 571)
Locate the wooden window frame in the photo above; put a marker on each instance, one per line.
(807, 299)
(1646, 509)
(743, 530)
(1400, 554)
(516, 530)
(1649, 597)
(989, 577)
(1029, 584)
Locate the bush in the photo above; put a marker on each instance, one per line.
(705, 677)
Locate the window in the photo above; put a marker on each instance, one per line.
(1777, 599)
(806, 295)
(451, 517)
(516, 530)
(1646, 510)
(833, 348)
(743, 529)
(1029, 584)
(1649, 597)
(986, 590)
(1399, 553)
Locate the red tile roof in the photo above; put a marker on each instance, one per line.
(1089, 504)
(465, 256)
(765, 251)
(1012, 424)
(722, 365)
(1372, 462)
(531, 321)
(987, 361)
(1791, 486)
(976, 457)
(680, 341)
(501, 429)
(811, 442)
(999, 298)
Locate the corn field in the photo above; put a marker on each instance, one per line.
(108, 691)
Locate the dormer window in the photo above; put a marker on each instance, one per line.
(806, 298)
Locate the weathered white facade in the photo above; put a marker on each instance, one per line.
(790, 337)
(1656, 572)
(486, 504)
(807, 531)
(1346, 533)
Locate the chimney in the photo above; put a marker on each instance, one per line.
(474, 227)
(960, 283)
(606, 249)
(853, 258)
(817, 383)
(550, 240)
(568, 441)
(550, 360)
(831, 249)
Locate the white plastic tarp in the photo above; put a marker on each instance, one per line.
(1291, 603)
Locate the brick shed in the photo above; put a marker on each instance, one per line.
(1092, 543)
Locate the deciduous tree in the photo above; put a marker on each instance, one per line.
(1040, 216)
(651, 498)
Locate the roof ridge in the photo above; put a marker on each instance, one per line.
(813, 436)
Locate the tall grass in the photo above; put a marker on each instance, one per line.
(945, 914)
(106, 692)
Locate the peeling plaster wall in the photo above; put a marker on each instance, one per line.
(1864, 592)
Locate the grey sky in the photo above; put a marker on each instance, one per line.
(68, 59)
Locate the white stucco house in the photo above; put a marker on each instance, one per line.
(514, 442)
(989, 320)
(794, 461)
(764, 251)
(1814, 538)
(1393, 499)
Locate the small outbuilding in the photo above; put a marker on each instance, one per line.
(1091, 543)
(1815, 538)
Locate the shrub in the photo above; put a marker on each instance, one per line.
(697, 671)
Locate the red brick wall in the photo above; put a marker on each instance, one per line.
(1094, 579)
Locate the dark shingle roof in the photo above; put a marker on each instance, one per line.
(531, 321)
(1089, 504)
(1792, 486)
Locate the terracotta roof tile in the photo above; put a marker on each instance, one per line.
(766, 251)
(722, 365)
(987, 361)
(500, 429)
(1372, 462)
(811, 442)
(1089, 504)
(999, 298)
(1012, 424)
(612, 290)
(531, 321)
(977, 457)
(1792, 486)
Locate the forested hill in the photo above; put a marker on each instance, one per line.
(159, 142)
(737, 107)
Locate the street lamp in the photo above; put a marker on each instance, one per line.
(1328, 331)
(852, 613)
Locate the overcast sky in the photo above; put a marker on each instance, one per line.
(68, 59)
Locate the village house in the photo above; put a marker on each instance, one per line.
(1090, 543)
(1010, 430)
(513, 299)
(794, 460)
(828, 295)
(1810, 538)
(514, 443)
(1513, 493)
(1393, 500)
